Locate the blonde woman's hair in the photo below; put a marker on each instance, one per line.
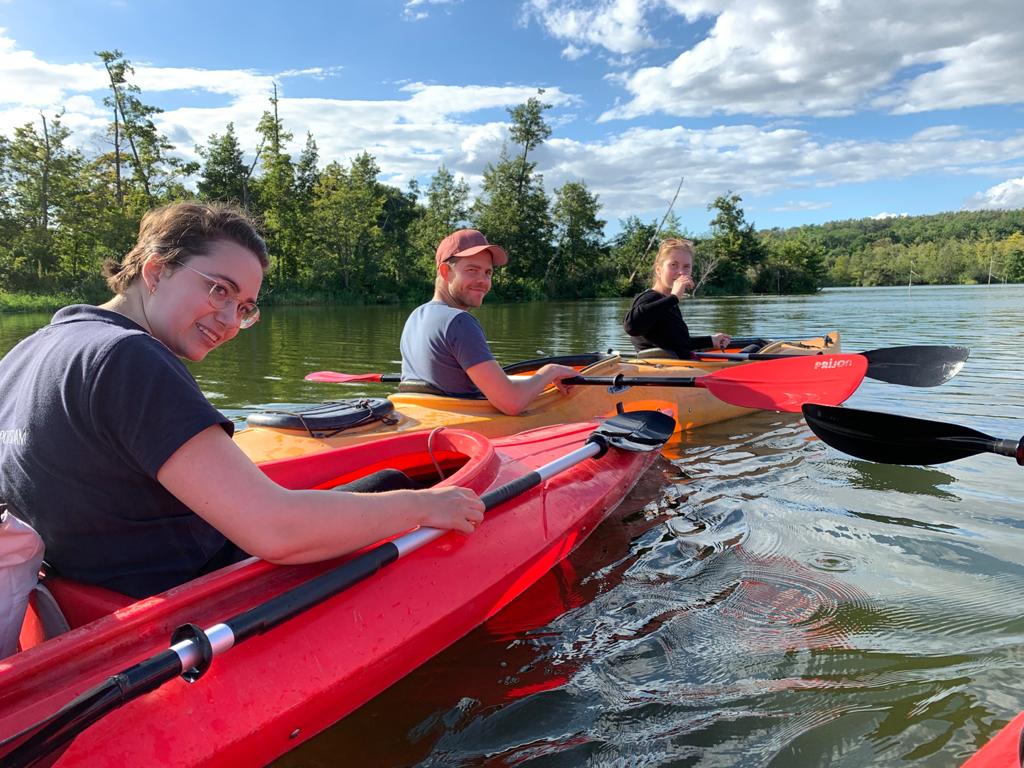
(667, 246)
(176, 232)
(672, 244)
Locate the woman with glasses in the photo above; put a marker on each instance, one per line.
(110, 450)
(655, 321)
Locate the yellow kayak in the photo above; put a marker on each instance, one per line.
(279, 435)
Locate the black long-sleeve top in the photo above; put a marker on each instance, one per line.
(654, 320)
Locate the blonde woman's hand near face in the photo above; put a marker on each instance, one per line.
(681, 285)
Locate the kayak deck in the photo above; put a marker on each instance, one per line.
(691, 407)
(278, 689)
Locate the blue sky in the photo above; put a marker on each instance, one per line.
(811, 110)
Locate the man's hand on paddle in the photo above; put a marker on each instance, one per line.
(553, 374)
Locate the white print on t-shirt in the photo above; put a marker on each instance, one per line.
(13, 436)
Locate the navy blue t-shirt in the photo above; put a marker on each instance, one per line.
(439, 343)
(92, 407)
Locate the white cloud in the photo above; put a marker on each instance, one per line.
(317, 73)
(802, 205)
(802, 57)
(634, 171)
(616, 25)
(1008, 195)
(33, 83)
(637, 170)
(415, 10)
(887, 215)
(409, 136)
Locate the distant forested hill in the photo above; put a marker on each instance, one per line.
(955, 247)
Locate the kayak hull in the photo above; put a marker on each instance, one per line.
(1003, 751)
(691, 407)
(267, 695)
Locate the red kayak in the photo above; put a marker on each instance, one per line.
(1003, 751)
(290, 682)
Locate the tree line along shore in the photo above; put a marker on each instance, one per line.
(340, 235)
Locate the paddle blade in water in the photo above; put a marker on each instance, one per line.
(333, 377)
(785, 385)
(891, 439)
(916, 366)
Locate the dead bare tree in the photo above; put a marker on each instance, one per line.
(705, 265)
(654, 237)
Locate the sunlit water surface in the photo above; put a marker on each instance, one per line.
(759, 600)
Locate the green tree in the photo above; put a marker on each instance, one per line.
(580, 260)
(224, 172)
(158, 175)
(792, 266)
(1014, 247)
(529, 131)
(521, 223)
(446, 211)
(40, 168)
(346, 234)
(275, 190)
(631, 255)
(728, 263)
(513, 208)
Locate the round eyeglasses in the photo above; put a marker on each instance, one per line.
(221, 294)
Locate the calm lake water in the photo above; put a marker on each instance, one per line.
(759, 600)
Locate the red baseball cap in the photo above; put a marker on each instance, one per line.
(468, 242)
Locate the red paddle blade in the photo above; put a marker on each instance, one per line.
(785, 385)
(333, 377)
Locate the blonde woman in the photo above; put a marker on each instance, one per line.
(654, 320)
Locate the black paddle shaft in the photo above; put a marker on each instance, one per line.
(524, 366)
(620, 380)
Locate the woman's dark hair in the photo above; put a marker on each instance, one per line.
(176, 232)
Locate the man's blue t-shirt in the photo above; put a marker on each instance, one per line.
(92, 407)
(439, 343)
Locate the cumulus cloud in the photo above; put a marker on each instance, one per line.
(1008, 195)
(801, 57)
(428, 124)
(887, 215)
(618, 26)
(410, 136)
(33, 83)
(633, 171)
(637, 170)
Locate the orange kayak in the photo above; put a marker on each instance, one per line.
(278, 435)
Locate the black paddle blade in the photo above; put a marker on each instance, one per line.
(916, 366)
(891, 439)
(637, 430)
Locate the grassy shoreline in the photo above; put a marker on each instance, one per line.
(36, 302)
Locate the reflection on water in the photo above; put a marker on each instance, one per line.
(887, 477)
(761, 600)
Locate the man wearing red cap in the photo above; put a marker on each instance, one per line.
(444, 346)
